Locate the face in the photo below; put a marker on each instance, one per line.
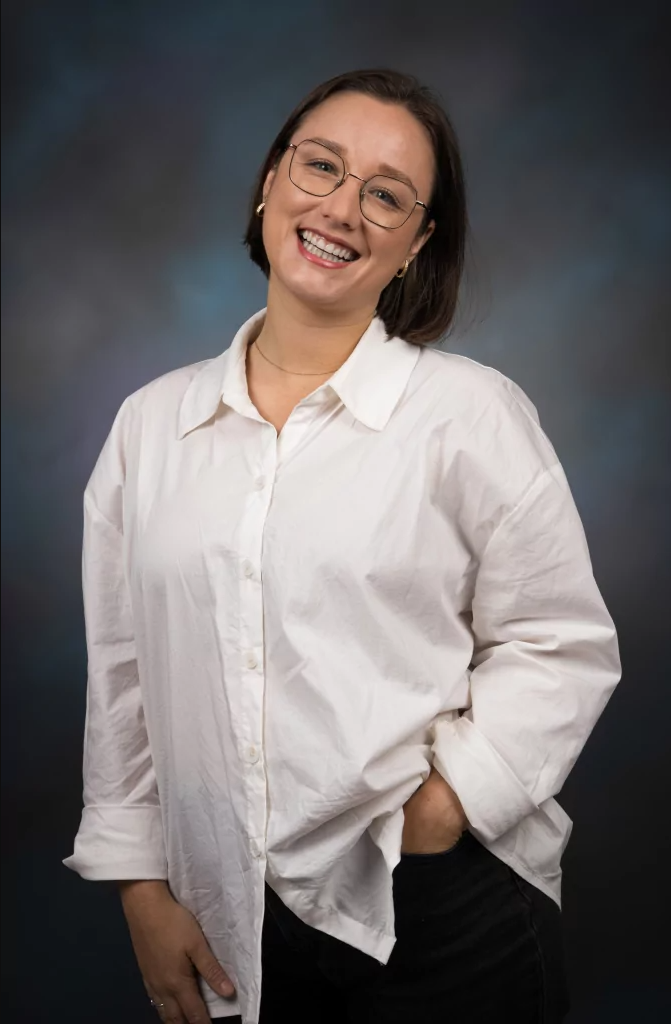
(369, 134)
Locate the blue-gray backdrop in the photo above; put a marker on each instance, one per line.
(132, 133)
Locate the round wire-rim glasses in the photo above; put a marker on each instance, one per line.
(362, 191)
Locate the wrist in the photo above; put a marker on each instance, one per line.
(142, 890)
(456, 810)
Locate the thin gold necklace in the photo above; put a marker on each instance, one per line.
(296, 373)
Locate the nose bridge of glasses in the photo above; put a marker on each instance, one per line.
(338, 188)
(349, 174)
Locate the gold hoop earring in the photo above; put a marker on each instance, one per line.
(404, 269)
(259, 209)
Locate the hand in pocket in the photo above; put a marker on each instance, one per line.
(434, 817)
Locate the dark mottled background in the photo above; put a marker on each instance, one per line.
(132, 133)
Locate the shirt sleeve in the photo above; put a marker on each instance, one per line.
(545, 663)
(121, 832)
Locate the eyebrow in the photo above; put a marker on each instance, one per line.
(384, 168)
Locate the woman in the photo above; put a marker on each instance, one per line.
(345, 642)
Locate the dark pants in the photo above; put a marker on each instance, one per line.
(475, 944)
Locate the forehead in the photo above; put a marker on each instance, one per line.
(370, 133)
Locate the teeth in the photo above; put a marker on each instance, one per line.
(319, 246)
(323, 255)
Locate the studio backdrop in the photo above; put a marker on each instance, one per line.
(132, 133)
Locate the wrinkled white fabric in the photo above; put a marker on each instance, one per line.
(284, 633)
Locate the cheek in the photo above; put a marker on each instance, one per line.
(389, 255)
(279, 222)
(269, 236)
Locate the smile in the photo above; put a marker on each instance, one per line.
(323, 250)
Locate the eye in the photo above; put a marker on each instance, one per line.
(385, 196)
(325, 166)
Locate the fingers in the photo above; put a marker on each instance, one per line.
(181, 1003)
(210, 969)
(168, 1010)
(159, 1005)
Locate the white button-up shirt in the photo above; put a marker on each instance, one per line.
(284, 633)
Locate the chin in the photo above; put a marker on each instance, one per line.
(310, 292)
(309, 297)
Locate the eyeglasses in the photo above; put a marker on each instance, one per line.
(319, 171)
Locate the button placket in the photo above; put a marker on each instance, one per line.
(256, 846)
(303, 423)
(252, 652)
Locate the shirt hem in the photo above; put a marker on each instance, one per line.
(375, 943)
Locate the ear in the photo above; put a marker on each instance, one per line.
(268, 183)
(422, 239)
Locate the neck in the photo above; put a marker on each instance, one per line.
(298, 338)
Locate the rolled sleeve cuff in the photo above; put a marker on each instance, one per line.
(117, 843)
(493, 798)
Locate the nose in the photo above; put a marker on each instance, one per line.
(342, 205)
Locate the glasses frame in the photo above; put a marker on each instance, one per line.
(349, 174)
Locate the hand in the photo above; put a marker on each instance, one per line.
(170, 948)
(434, 817)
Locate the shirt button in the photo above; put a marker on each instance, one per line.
(251, 660)
(248, 568)
(260, 483)
(256, 847)
(253, 755)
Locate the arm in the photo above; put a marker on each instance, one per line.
(121, 832)
(545, 663)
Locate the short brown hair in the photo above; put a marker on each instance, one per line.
(421, 306)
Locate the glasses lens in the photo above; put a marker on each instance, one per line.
(387, 202)
(315, 168)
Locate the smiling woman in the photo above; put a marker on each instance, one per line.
(345, 643)
(308, 190)
(388, 134)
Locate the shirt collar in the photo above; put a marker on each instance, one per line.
(369, 383)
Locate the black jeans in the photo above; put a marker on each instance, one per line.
(475, 944)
